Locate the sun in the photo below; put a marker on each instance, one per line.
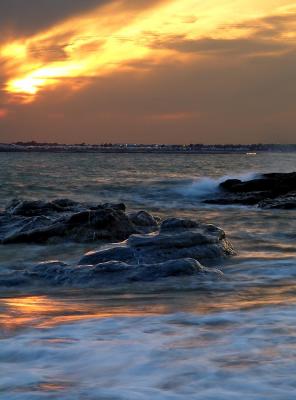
(28, 86)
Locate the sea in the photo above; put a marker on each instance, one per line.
(173, 339)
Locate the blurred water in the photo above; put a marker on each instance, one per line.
(175, 339)
(148, 180)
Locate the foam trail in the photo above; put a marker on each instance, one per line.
(219, 356)
(203, 187)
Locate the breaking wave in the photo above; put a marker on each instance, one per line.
(204, 187)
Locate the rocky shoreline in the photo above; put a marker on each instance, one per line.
(268, 191)
(142, 247)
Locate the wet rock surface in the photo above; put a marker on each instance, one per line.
(179, 247)
(273, 190)
(62, 219)
(176, 239)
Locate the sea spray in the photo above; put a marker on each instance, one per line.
(203, 187)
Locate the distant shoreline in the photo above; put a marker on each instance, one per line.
(143, 152)
(251, 149)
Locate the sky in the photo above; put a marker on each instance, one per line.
(148, 71)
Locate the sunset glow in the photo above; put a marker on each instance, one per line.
(161, 71)
(111, 38)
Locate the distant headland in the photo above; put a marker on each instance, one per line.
(250, 149)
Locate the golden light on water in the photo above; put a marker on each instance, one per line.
(46, 311)
(113, 37)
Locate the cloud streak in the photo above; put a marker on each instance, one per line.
(119, 33)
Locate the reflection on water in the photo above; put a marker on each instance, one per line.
(43, 311)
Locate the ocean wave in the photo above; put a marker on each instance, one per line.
(205, 186)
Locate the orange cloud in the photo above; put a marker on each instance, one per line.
(120, 34)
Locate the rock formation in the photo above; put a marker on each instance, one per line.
(274, 190)
(63, 219)
(176, 248)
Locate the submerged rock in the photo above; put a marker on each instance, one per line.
(274, 190)
(40, 222)
(111, 272)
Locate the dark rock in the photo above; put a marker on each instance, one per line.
(35, 232)
(31, 208)
(143, 219)
(285, 202)
(108, 224)
(107, 273)
(190, 239)
(66, 205)
(39, 222)
(274, 190)
(245, 199)
(115, 206)
(229, 184)
(172, 224)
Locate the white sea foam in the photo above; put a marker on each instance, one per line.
(204, 187)
(216, 357)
